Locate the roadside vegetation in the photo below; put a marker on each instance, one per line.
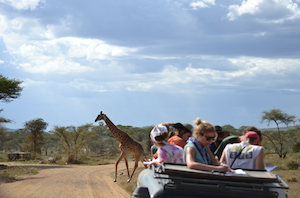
(14, 173)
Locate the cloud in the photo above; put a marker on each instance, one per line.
(1, 61)
(87, 85)
(252, 73)
(260, 34)
(247, 7)
(266, 11)
(23, 4)
(54, 65)
(202, 4)
(36, 48)
(58, 55)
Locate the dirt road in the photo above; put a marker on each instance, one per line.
(67, 181)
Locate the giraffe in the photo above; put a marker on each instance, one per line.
(127, 145)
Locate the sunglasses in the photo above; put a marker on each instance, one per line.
(210, 138)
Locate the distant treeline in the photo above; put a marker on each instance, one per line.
(99, 140)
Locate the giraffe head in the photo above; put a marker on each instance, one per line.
(100, 117)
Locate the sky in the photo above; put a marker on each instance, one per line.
(146, 62)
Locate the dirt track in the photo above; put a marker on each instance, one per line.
(67, 181)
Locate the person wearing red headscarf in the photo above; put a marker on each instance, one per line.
(247, 154)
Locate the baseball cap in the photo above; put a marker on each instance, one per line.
(253, 135)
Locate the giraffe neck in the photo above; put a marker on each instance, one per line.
(114, 129)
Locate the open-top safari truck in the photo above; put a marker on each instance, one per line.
(174, 180)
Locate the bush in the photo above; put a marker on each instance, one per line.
(292, 165)
(57, 157)
(296, 148)
(292, 179)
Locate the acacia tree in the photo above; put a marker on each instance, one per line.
(9, 89)
(278, 139)
(73, 139)
(35, 139)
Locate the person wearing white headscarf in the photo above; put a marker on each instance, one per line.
(166, 152)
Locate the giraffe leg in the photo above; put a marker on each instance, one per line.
(141, 158)
(120, 158)
(126, 163)
(135, 166)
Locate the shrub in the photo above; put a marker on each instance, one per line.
(291, 179)
(292, 165)
(296, 148)
(57, 157)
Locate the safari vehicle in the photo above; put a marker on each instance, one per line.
(174, 180)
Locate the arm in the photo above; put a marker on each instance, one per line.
(157, 163)
(259, 162)
(213, 160)
(223, 158)
(192, 164)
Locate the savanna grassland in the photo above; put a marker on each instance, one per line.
(284, 170)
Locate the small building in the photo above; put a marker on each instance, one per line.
(19, 155)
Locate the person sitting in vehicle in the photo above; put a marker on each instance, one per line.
(197, 154)
(246, 155)
(235, 139)
(181, 135)
(153, 149)
(166, 152)
(221, 135)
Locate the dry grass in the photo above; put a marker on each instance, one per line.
(122, 179)
(292, 178)
(14, 173)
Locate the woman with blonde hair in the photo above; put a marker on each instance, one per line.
(197, 154)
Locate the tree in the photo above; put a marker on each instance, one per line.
(74, 139)
(96, 142)
(298, 125)
(3, 136)
(229, 128)
(9, 89)
(35, 139)
(241, 129)
(51, 142)
(15, 140)
(278, 139)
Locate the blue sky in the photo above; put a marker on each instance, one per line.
(147, 62)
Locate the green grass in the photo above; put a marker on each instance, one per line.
(14, 173)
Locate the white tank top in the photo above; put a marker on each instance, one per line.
(247, 158)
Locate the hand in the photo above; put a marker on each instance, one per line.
(225, 168)
(153, 162)
(170, 123)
